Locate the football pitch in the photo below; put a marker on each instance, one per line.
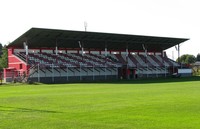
(142, 104)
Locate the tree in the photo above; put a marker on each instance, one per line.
(198, 57)
(187, 59)
(4, 58)
(190, 59)
(1, 49)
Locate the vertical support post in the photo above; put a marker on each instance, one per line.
(147, 72)
(127, 55)
(105, 72)
(52, 73)
(56, 47)
(137, 71)
(117, 73)
(156, 72)
(165, 70)
(145, 51)
(127, 68)
(80, 73)
(93, 72)
(106, 52)
(81, 46)
(38, 72)
(105, 60)
(82, 51)
(146, 56)
(56, 50)
(178, 53)
(67, 74)
(26, 51)
(26, 47)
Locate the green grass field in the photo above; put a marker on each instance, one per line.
(150, 104)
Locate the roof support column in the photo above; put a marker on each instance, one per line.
(56, 47)
(127, 65)
(26, 47)
(178, 53)
(145, 51)
(81, 46)
(127, 55)
(26, 50)
(106, 51)
(56, 50)
(82, 49)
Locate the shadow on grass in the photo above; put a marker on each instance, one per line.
(157, 80)
(17, 109)
(19, 84)
(146, 81)
(131, 81)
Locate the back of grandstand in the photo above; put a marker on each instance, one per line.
(60, 56)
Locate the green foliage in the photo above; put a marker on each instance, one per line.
(4, 58)
(0, 49)
(198, 57)
(186, 59)
(190, 59)
(126, 105)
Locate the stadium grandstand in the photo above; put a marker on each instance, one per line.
(59, 56)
